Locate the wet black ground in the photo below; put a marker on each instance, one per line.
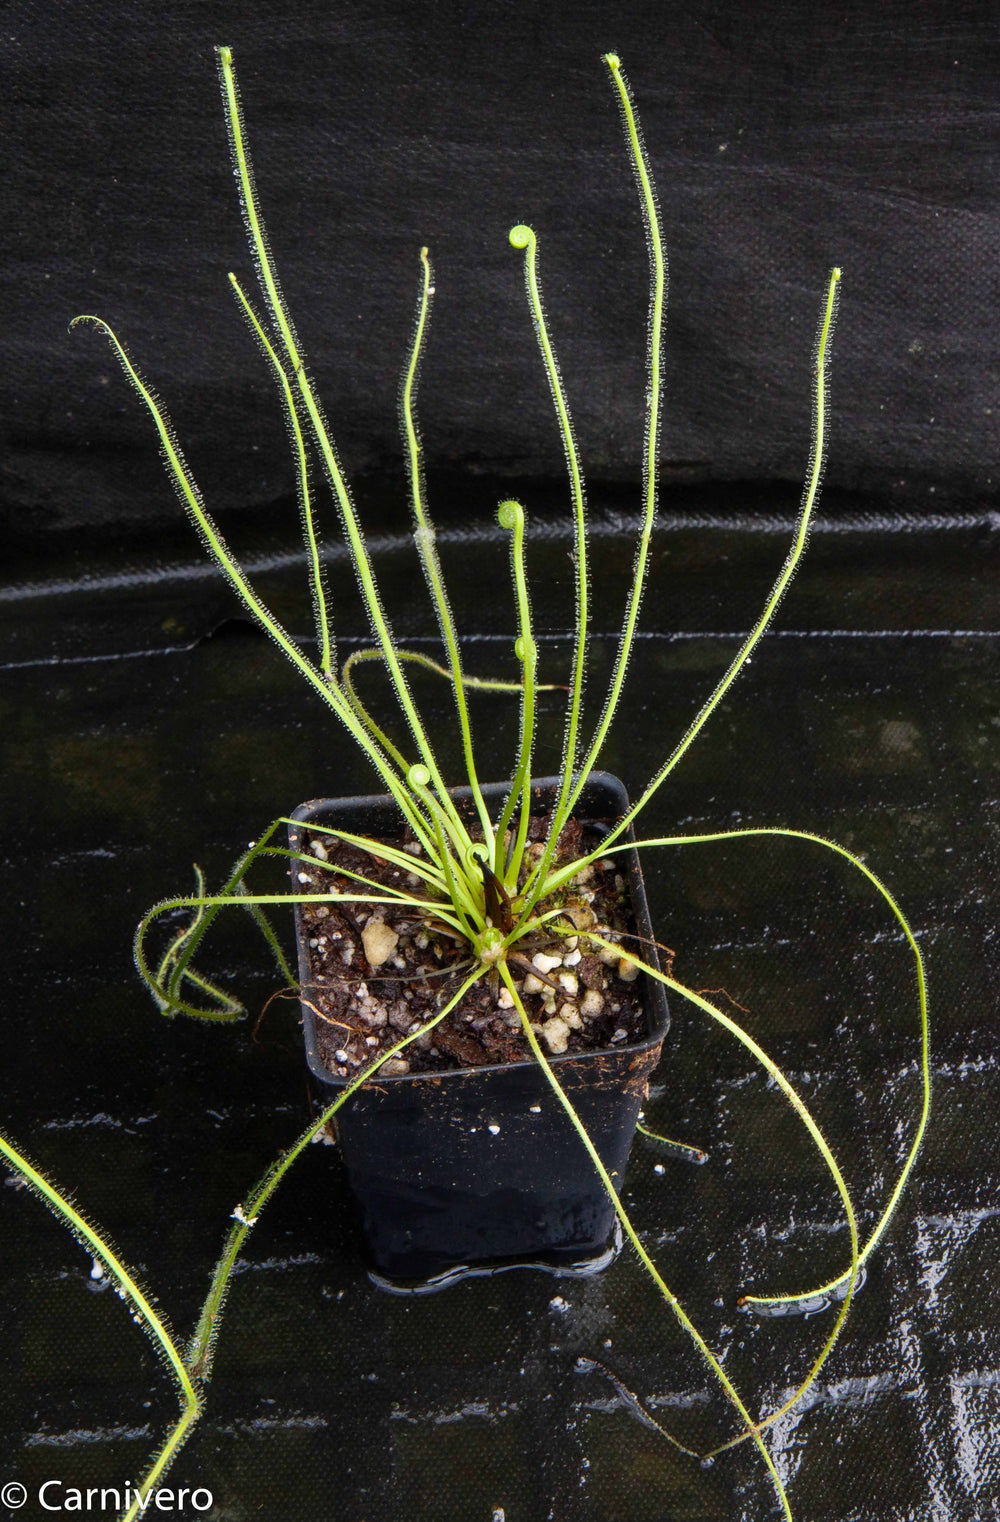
(143, 732)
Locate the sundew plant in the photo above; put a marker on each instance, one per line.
(496, 897)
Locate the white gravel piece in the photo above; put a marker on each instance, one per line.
(380, 941)
(556, 1034)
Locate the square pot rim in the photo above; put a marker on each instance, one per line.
(654, 998)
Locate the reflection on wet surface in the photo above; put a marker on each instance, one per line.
(873, 717)
(582, 1270)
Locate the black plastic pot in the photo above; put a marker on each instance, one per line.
(480, 1167)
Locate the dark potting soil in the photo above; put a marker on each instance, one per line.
(577, 998)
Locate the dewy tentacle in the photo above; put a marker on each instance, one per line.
(328, 454)
(809, 499)
(191, 497)
(654, 397)
(630, 1231)
(319, 594)
(835, 1286)
(199, 1355)
(823, 1147)
(198, 1361)
(144, 1311)
(522, 237)
(511, 516)
(426, 540)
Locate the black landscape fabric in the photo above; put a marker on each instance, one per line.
(785, 138)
